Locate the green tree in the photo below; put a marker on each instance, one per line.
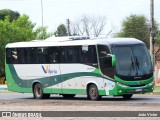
(136, 26)
(61, 31)
(7, 12)
(157, 38)
(42, 33)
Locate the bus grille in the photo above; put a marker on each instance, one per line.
(135, 91)
(136, 85)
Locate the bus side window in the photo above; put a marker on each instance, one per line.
(14, 56)
(77, 54)
(103, 51)
(28, 55)
(92, 54)
(84, 54)
(62, 55)
(67, 54)
(21, 56)
(104, 66)
(89, 54)
(8, 56)
(70, 54)
(53, 55)
(44, 55)
(33, 52)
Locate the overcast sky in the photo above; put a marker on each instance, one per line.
(57, 11)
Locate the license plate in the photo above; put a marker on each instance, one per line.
(138, 90)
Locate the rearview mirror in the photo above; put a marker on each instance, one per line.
(113, 59)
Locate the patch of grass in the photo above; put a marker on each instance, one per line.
(156, 93)
(4, 91)
(157, 88)
(2, 80)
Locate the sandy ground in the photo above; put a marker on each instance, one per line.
(79, 104)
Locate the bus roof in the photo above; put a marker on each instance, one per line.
(69, 42)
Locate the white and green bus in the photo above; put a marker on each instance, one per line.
(71, 66)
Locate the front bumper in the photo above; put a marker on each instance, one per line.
(121, 89)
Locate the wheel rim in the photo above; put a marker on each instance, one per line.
(93, 92)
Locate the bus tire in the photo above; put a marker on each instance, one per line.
(38, 92)
(93, 92)
(127, 96)
(68, 95)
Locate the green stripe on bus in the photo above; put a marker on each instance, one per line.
(28, 83)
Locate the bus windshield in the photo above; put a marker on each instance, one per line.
(132, 60)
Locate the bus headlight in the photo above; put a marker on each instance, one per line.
(151, 84)
(121, 85)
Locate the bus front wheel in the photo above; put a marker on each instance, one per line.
(38, 92)
(93, 92)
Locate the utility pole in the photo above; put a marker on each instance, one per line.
(42, 19)
(68, 27)
(152, 34)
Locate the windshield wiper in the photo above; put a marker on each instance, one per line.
(131, 66)
(139, 68)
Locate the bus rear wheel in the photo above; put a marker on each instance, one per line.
(127, 96)
(93, 92)
(38, 92)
